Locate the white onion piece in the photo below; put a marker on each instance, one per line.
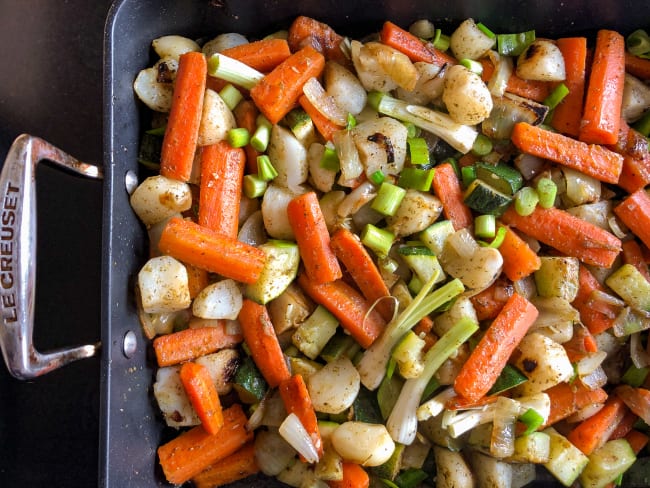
(222, 42)
(356, 199)
(529, 166)
(503, 68)
(289, 158)
(323, 102)
(297, 436)
(616, 227)
(349, 160)
(502, 442)
(252, 230)
(272, 453)
(596, 379)
(638, 354)
(590, 362)
(346, 89)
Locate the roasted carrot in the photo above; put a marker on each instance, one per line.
(581, 344)
(625, 426)
(197, 279)
(194, 450)
(568, 234)
(493, 351)
(296, 400)
(394, 36)
(262, 55)
(567, 115)
(591, 159)
(604, 95)
(246, 116)
(262, 341)
(239, 465)
(637, 66)
(593, 432)
(633, 254)
(278, 92)
(461, 403)
(313, 238)
(324, 126)
(637, 440)
(359, 264)
(222, 170)
(181, 134)
(354, 476)
(636, 158)
(203, 395)
(637, 399)
(489, 302)
(197, 245)
(306, 31)
(519, 260)
(599, 319)
(189, 344)
(532, 89)
(634, 211)
(348, 306)
(446, 186)
(568, 398)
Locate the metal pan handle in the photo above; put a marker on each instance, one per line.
(18, 257)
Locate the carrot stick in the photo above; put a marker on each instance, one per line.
(625, 426)
(313, 238)
(278, 92)
(532, 89)
(359, 264)
(296, 399)
(324, 126)
(405, 42)
(305, 31)
(203, 395)
(637, 440)
(197, 279)
(637, 66)
(348, 306)
(189, 344)
(262, 55)
(602, 110)
(596, 320)
(194, 450)
(354, 476)
(489, 302)
(487, 360)
(636, 399)
(262, 341)
(222, 170)
(636, 158)
(633, 254)
(567, 115)
(239, 465)
(590, 159)
(593, 432)
(246, 117)
(519, 260)
(568, 234)
(447, 188)
(634, 211)
(179, 142)
(568, 398)
(197, 245)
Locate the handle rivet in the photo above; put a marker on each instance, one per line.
(130, 344)
(130, 181)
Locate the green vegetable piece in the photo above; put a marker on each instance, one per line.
(249, 382)
(387, 394)
(280, 269)
(514, 44)
(388, 198)
(486, 199)
(509, 378)
(566, 461)
(391, 468)
(365, 407)
(502, 177)
(379, 240)
(416, 178)
(558, 277)
(341, 344)
(315, 332)
(631, 286)
(607, 463)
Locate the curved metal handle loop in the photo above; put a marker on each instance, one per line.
(18, 257)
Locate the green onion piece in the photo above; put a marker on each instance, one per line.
(498, 239)
(387, 264)
(231, 96)
(467, 174)
(486, 30)
(378, 177)
(388, 198)
(532, 419)
(638, 43)
(482, 145)
(473, 66)
(379, 240)
(485, 226)
(643, 124)
(411, 477)
(635, 376)
(556, 96)
(514, 44)
(416, 178)
(526, 200)
(454, 164)
(265, 169)
(351, 122)
(253, 186)
(238, 137)
(330, 159)
(418, 151)
(158, 131)
(415, 249)
(546, 191)
(262, 134)
(441, 41)
(619, 480)
(233, 71)
(412, 130)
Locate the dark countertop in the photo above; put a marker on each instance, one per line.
(51, 86)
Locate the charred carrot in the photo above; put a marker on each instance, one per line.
(239, 465)
(306, 31)
(179, 142)
(313, 238)
(637, 66)
(446, 186)
(203, 395)
(262, 341)
(194, 450)
(567, 115)
(354, 476)
(197, 245)
(348, 306)
(637, 399)
(262, 55)
(189, 344)
(634, 211)
(278, 92)
(519, 260)
(593, 432)
(296, 400)
(246, 116)
(394, 36)
(324, 126)
(590, 159)
(568, 234)
(599, 319)
(487, 360)
(604, 95)
(568, 398)
(489, 302)
(532, 89)
(633, 254)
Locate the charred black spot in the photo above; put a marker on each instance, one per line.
(529, 365)
(164, 73)
(532, 51)
(176, 416)
(381, 139)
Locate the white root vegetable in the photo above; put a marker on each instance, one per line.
(335, 386)
(220, 300)
(452, 469)
(289, 158)
(173, 46)
(466, 96)
(158, 198)
(223, 41)
(470, 42)
(542, 60)
(222, 366)
(321, 178)
(172, 399)
(417, 211)
(490, 471)
(544, 362)
(272, 452)
(274, 211)
(344, 87)
(216, 119)
(429, 87)
(163, 285)
(363, 443)
(154, 94)
(381, 144)
(368, 70)
(636, 99)
(324, 102)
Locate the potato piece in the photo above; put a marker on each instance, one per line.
(468, 41)
(542, 60)
(466, 96)
(344, 87)
(173, 46)
(289, 158)
(163, 285)
(154, 94)
(220, 300)
(335, 386)
(544, 362)
(158, 198)
(417, 211)
(363, 443)
(452, 469)
(172, 399)
(381, 144)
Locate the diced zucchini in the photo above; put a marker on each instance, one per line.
(502, 177)
(391, 468)
(558, 277)
(408, 355)
(315, 332)
(607, 463)
(423, 262)
(532, 448)
(486, 199)
(436, 234)
(509, 378)
(631, 286)
(341, 344)
(249, 382)
(330, 466)
(566, 461)
(302, 126)
(280, 269)
(365, 407)
(387, 394)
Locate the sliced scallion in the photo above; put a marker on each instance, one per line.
(526, 200)
(638, 43)
(416, 178)
(265, 169)
(472, 65)
(388, 198)
(532, 420)
(262, 134)
(485, 226)
(253, 186)
(556, 96)
(546, 191)
(351, 122)
(441, 41)
(376, 239)
(482, 146)
(378, 177)
(230, 95)
(635, 376)
(514, 44)
(485, 30)
(233, 71)
(418, 151)
(467, 174)
(238, 137)
(412, 130)
(330, 159)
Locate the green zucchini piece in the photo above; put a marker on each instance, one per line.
(485, 198)
(423, 262)
(365, 407)
(391, 468)
(249, 383)
(509, 378)
(280, 269)
(631, 286)
(436, 234)
(501, 177)
(566, 461)
(150, 150)
(315, 332)
(607, 463)
(341, 344)
(387, 394)
(532, 448)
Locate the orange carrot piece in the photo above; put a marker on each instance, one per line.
(197, 279)
(637, 66)
(633, 254)
(278, 92)
(591, 159)
(625, 426)
(262, 341)
(222, 170)
(461, 403)
(203, 395)
(519, 260)
(489, 302)
(197, 245)
(568, 234)
(637, 440)
(636, 159)
(405, 42)
(359, 264)
(493, 351)
(348, 306)
(313, 238)
(568, 398)
(306, 31)
(181, 134)
(354, 476)
(634, 211)
(296, 399)
(324, 126)
(602, 109)
(567, 115)
(581, 344)
(262, 55)
(446, 186)
(239, 465)
(596, 320)
(636, 399)
(189, 344)
(532, 89)
(593, 432)
(194, 450)
(246, 117)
